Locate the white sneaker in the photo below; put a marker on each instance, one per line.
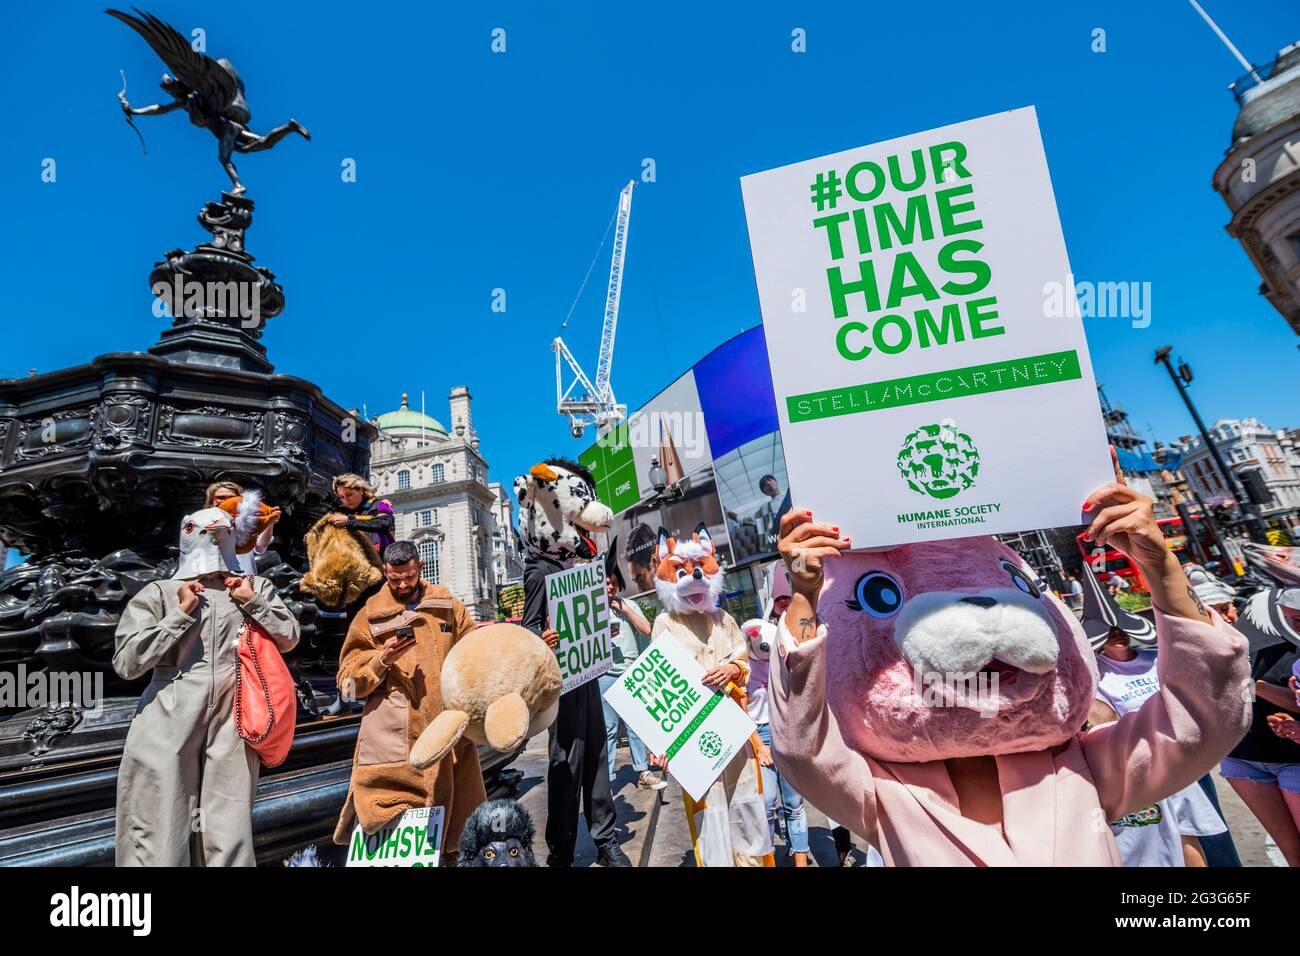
(648, 781)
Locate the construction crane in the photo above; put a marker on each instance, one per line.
(595, 403)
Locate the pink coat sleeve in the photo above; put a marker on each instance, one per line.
(806, 741)
(1199, 714)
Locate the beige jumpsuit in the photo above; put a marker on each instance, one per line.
(186, 783)
(712, 639)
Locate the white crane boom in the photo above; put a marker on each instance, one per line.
(615, 291)
(597, 405)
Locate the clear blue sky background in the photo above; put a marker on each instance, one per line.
(479, 170)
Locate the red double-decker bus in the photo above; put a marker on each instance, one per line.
(1107, 561)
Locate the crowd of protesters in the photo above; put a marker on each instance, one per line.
(396, 668)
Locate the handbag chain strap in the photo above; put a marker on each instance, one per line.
(247, 635)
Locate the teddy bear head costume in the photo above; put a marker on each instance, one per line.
(558, 511)
(966, 607)
(500, 686)
(929, 653)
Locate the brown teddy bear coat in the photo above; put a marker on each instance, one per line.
(342, 565)
(400, 701)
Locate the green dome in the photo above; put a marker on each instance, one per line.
(405, 418)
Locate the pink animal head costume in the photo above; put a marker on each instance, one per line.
(904, 625)
(761, 637)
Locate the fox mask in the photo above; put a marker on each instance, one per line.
(688, 578)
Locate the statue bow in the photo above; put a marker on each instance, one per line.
(126, 113)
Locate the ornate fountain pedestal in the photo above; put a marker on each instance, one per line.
(219, 298)
(98, 463)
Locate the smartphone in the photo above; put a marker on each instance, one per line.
(406, 632)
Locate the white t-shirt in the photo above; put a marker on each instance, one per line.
(626, 648)
(756, 698)
(1126, 684)
(1152, 836)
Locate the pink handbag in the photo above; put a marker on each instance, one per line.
(266, 705)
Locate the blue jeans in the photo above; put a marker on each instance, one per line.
(796, 817)
(1285, 776)
(639, 761)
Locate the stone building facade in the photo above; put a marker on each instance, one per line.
(437, 482)
(1259, 178)
(1256, 454)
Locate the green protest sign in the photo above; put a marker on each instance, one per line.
(662, 697)
(414, 839)
(916, 340)
(578, 606)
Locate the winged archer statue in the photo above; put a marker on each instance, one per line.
(209, 90)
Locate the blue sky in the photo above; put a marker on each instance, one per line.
(478, 171)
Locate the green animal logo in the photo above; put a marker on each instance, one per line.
(710, 744)
(939, 461)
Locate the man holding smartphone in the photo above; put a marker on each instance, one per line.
(392, 660)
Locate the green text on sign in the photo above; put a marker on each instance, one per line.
(693, 726)
(936, 386)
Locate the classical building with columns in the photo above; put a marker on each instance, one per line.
(437, 482)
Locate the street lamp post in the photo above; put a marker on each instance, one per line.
(1254, 525)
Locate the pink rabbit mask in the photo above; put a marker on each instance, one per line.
(951, 649)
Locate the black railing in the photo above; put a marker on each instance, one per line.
(1261, 74)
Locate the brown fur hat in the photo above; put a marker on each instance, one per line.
(343, 565)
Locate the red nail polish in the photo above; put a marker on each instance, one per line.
(1087, 506)
(836, 530)
(1086, 536)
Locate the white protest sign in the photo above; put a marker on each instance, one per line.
(413, 839)
(931, 372)
(578, 607)
(661, 696)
